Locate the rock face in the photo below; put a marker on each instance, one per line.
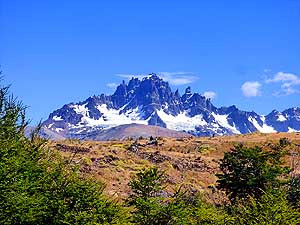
(151, 101)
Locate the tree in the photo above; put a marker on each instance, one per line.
(146, 184)
(249, 171)
(37, 186)
(150, 207)
(271, 209)
(180, 208)
(207, 214)
(293, 194)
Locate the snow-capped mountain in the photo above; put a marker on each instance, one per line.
(151, 101)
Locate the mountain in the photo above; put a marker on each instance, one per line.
(135, 131)
(151, 101)
(44, 132)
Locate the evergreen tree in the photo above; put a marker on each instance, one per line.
(183, 207)
(37, 186)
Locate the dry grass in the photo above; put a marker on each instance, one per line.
(112, 163)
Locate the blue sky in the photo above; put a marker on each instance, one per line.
(246, 52)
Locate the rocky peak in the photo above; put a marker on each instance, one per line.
(187, 95)
(151, 101)
(133, 84)
(232, 108)
(154, 77)
(120, 96)
(188, 90)
(177, 95)
(153, 90)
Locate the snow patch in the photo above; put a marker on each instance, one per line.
(111, 118)
(81, 109)
(57, 118)
(181, 121)
(222, 120)
(58, 130)
(281, 118)
(264, 128)
(291, 130)
(135, 115)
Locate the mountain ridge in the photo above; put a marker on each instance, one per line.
(151, 101)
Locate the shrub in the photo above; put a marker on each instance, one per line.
(294, 191)
(152, 205)
(271, 209)
(249, 171)
(39, 187)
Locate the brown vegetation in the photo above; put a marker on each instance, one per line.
(187, 161)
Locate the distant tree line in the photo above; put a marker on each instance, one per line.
(38, 186)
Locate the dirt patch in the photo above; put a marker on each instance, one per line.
(182, 164)
(103, 161)
(69, 148)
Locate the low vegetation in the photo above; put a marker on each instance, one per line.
(40, 185)
(248, 172)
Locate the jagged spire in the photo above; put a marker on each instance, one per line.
(188, 90)
(177, 93)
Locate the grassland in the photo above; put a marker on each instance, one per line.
(191, 162)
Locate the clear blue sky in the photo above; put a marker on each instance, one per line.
(56, 52)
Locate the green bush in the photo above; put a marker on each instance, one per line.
(151, 208)
(294, 191)
(39, 187)
(271, 209)
(249, 171)
(145, 186)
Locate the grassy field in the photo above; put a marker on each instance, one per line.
(188, 162)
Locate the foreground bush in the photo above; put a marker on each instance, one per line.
(271, 209)
(39, 187)
(152, 205)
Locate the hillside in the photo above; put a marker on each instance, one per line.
(134, 131)
(188, 161)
